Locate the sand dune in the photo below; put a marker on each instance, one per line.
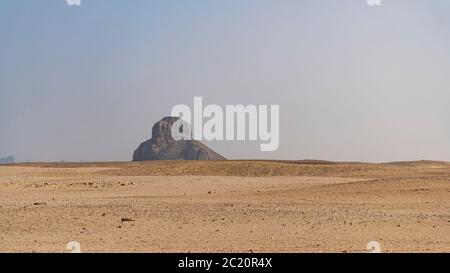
(226, 206)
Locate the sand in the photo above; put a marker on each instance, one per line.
(233, 206)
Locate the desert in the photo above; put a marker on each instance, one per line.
(225, 206)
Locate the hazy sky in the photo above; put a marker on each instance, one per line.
(353, 82)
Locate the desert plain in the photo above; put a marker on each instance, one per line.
(225, 206)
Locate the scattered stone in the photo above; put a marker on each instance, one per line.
(126, 220)
(39, 204)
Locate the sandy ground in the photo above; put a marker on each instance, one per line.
(234, 206)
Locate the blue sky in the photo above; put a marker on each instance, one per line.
(353, 82)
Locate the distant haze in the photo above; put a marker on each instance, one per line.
(354, 82)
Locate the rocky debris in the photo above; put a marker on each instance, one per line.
(126, 220)
(163, 147)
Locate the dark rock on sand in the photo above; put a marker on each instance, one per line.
(163, 147)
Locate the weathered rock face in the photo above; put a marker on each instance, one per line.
(163, 147)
